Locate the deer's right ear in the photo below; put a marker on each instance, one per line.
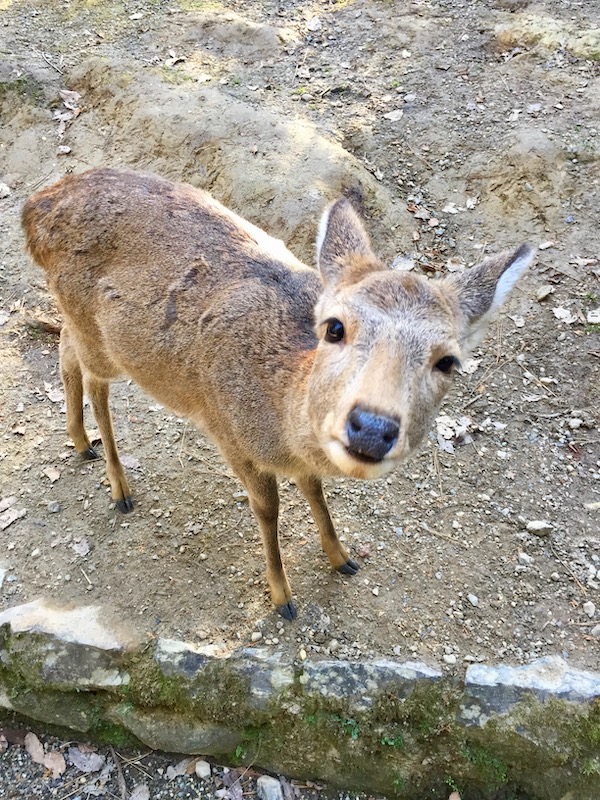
(343, 244)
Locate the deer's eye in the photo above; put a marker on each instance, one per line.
(334, 332)
(447, 363)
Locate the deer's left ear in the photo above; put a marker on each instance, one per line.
(482, 289)
(341, 241)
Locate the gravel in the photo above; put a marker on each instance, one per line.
(137, 775)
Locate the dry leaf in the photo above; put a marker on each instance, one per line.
(564, 315)
(35, 748)
(7, 502)
(69, 98)
(85, 762)
(10, 516)
(53, 473)
(13, 736)
(55, 762)
(593, 316)
(54, 395)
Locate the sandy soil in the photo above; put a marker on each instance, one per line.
(276, 107)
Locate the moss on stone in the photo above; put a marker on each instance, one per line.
(25, 87)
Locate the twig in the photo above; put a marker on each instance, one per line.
(77, 789)
(179, 458)
(443, 536)
(85, 575)
(50, 64)
(133, 762)
(420, 157)
(436, 466)
(120, 776)
(582, 588)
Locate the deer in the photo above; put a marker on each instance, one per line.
(292, 371)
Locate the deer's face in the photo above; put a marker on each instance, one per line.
(388, 349)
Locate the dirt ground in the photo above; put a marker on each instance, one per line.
(478, 122)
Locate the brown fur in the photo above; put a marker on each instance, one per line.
(222, 324)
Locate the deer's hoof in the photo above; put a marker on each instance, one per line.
(288, 611)
(349, 568)
(125, 505)
(90, 454)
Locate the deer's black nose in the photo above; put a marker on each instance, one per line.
(370, 435)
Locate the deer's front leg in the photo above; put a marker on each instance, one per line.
(337, 554)
(264, 502)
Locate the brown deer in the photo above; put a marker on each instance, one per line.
(292, 371)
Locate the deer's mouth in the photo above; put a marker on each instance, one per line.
(366, 459)
(354, 464)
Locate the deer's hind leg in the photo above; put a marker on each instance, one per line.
(75, 379)
(97, 389)
(72, 378)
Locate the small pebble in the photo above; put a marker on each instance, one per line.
(36, 553)
(450, 658)
(525, 559)
(375, 591)
(4, 190)
(256, 636)
(543, 292)
(473, 599)
(203, 769)
(268, 788)
(589, 608)
(574, 423)
(54, 507)
(596, 631)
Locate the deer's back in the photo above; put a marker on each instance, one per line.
(161, 282)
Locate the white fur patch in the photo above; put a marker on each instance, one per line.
(510, 276)
(322, 232)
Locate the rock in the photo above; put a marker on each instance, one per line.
(496, 688)
(268, 788)
(54, 507)
(4, 190)
(203, 770)
(161, 730)
(540, 527)
(450, 659)
(543, 292)
(473, 599)
(81, 625)
(359, 683)
(574, 423)
(595, 630)
(589, 608)
(525, 559)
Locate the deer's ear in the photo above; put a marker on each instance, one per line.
(343, 245)
(482, 289)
